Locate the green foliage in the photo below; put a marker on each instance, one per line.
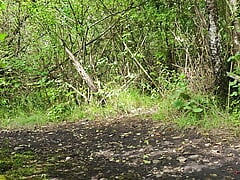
(58, 112)
(2, 6)
(211, 117)
(234, 98)
(187, 108)
(234, 87)
(2, 36)
(234, 58)
(14, 166)
(184, 101)
(140, 44)
(117, 102)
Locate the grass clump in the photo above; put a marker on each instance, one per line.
(197, 110)
(16, 165)
(187, 108)
(117, 102)
(179, 105)
(107, 103)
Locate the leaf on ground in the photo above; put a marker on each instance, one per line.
(146, 161)
(2, 36)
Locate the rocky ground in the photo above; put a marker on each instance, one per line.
(121, 148)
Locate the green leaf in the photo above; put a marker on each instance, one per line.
(145, 156)
(182, 76)
(197, 110)
(234, 58)
(146, 162)
(2, 177)
(2, 6)
(235, 93)
(185, 96)
(233, 83)
(188, 108)
(178, 104)
(2, 36)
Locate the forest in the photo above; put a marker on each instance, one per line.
(86, 84)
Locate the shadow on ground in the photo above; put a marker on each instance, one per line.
(124, 148)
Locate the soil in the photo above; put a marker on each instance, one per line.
(125, 148)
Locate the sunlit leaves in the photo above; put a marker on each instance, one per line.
(2, 6)
(2, 36)
(234, 58)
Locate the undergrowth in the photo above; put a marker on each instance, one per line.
(187, 109)
(115, 102)
(15, 165)
(179, 105)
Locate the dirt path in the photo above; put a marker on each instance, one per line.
(124, 148)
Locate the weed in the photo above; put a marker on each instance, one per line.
(117, 101)
(16, 165)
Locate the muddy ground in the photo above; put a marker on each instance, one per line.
(122, 148)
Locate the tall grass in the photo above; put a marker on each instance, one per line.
(212, 116)
(117, 102)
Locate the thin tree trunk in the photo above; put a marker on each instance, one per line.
(214, 45)
(236, 31)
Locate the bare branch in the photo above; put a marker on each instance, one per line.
(82, 72)
(234, 76)
(142, 68)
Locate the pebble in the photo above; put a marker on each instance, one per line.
(194, 157)
(181, 159)
(67, 158)
(156, 161)
(18, 148)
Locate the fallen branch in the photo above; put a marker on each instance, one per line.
(82, 72)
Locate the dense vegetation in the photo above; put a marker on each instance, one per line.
(72, 59)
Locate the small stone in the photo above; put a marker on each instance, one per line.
(176, 137)
(169, 158)
(67, 158)
(181, 159)
(156, 161)
(194, 157)
(18, 148)
(206, 161)
(158, 175)
(207, 145)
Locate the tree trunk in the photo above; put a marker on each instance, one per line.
(214, 46)
(236, 32)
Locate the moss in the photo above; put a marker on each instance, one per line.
(5, 165)
(2, 177)
(16, 165)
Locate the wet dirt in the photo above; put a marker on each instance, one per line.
(125, 148)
